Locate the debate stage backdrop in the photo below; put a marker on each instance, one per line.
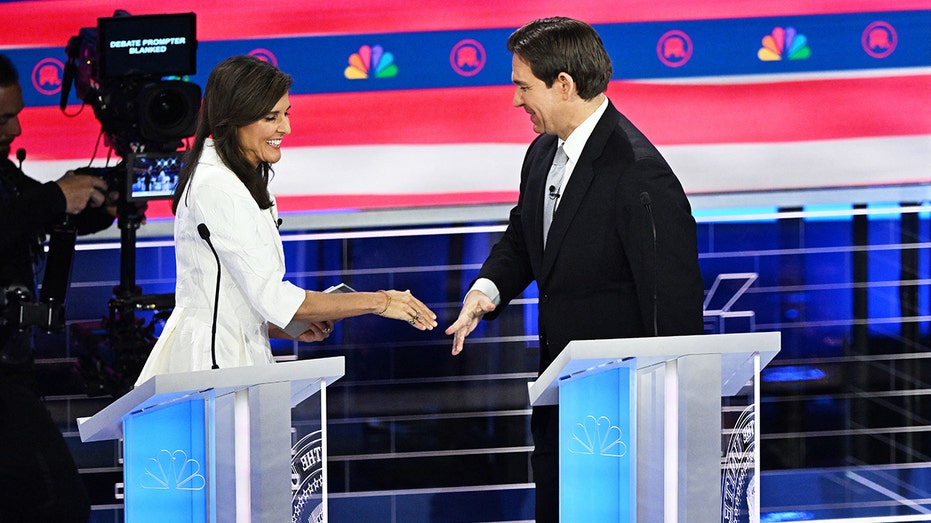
(408, 103)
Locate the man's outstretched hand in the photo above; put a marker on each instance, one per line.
(474, 307)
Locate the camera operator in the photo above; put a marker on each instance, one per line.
(38, 477)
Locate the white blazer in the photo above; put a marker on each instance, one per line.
(252, 287)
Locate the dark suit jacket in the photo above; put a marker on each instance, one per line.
(599, 276)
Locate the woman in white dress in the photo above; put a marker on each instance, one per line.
(223, 193)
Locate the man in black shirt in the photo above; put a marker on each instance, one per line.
(38, 478)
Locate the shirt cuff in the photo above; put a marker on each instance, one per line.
(487, 287)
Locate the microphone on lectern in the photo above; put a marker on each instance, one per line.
(205, 234)
(648, 204)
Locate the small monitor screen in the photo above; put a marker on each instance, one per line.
(156, 45)
(153, 176)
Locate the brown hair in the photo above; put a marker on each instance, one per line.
(555, 45)
(240, 90)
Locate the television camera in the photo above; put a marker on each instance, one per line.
(130, 70)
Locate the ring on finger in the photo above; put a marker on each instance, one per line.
(326, 330)
(410, 321)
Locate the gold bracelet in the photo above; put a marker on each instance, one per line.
(387, 304)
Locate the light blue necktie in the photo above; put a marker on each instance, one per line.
(553, 188)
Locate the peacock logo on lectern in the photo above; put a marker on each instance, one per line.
(172, 471)
(597, 436)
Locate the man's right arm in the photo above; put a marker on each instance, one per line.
(38, 206)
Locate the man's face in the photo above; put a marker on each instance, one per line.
(542, 103)
(11, 103)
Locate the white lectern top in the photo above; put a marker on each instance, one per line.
(582, 357)
(306, 378)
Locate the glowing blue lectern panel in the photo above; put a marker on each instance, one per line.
(165, 463)
(597, 465)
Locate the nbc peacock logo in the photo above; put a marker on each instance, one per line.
(371, 62)
(598, 437)
(784, 44)
(172, 471)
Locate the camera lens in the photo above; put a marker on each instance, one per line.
(168, 110)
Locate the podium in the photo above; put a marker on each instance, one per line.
(214, 445)
(640, 427)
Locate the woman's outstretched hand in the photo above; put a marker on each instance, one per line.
(404, 306)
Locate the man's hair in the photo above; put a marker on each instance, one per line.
(8, 74)
(240, 90)
(562, 45)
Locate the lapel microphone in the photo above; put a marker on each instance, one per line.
(21, 155)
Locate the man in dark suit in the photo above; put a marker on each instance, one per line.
(620, 258)
(39, 481)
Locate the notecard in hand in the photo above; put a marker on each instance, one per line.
(296, 327)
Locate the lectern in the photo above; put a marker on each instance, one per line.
(640, 430)
(214, 446)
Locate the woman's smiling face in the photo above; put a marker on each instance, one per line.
(261, 140)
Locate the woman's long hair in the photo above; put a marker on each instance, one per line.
(240, 90)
